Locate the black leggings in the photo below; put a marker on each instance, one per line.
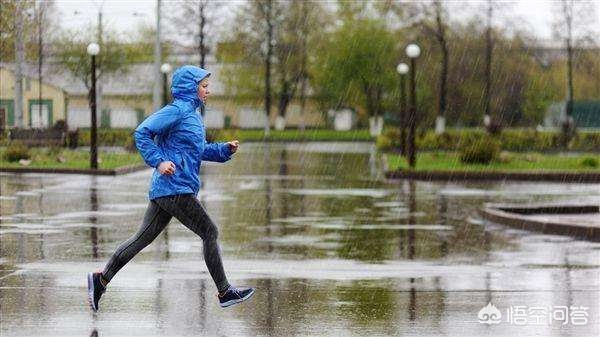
(187, 209)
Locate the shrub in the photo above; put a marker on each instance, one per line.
(588, 162)
(60, 125)
(389, 140)
(106, 137)
(16, 151)
(432, 141)
(514, 140)
(130, 145)
(450, 140)
(505, 157)
(481, 151)
(547, 141)
(519, 140)
(586, 141)
(4, 141)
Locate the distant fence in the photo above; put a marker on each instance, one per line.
(38, 137)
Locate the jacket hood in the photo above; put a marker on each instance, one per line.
(185, 82)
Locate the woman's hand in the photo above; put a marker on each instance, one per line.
(166, 167)
(233, 145)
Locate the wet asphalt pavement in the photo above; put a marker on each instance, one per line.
(331, 247)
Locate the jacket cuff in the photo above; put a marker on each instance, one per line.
(154, 162)
(226, 151)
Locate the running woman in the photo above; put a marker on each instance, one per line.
(173, 141)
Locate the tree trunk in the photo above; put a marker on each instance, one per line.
(20, 59)
(202, 47)
(370, 98)
(269, 23)
(303, 66)
(569, 78)
(488, 66)
(441, 120)
(568, 125)
(40, 58)
(441, 35)
(156, 96)
(284, 98)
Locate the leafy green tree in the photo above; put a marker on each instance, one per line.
(71, 53)
(31, 21)
(115, 53)
(295, 26)
(357, 67)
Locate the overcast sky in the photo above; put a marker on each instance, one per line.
(126, 15)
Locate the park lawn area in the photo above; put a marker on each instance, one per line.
(73, 159)
(291, 135)
(513, 162)
(123, 137)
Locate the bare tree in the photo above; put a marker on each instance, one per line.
(435, 24)
(44, 27)
(489, 47)
(202, 49)
(441, 38)
(303, 63)
(266, 9)
(492, 124)
(19, 60)
(24, 26)
(116, 55)
(567, 7)
(268, 51)
(291, 54)
(40, 9)
(195, 19)
(571, 25)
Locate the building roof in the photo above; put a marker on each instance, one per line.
(31, 75)
(137, 79)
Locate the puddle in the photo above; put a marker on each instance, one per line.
(374, 193)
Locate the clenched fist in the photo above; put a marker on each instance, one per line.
(233, 145)
(166, 167)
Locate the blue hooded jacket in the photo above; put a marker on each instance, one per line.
(176, 133)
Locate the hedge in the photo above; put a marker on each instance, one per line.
(123, 137)
(513, 140)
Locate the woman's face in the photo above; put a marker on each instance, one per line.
(203, 90)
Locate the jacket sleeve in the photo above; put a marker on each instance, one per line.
(156, 124)
(219, 152)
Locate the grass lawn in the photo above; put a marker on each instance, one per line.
(73, 159)
(531, 162)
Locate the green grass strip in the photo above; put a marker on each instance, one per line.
(509, 162)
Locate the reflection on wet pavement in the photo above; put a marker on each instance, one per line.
(331, 248)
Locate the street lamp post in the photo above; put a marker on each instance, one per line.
(402, 69)
(165, 69)
(93, 49)
(412, 51)
(157, 58)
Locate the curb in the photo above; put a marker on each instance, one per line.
(98, 172)
(566, 177)
(515, 216)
